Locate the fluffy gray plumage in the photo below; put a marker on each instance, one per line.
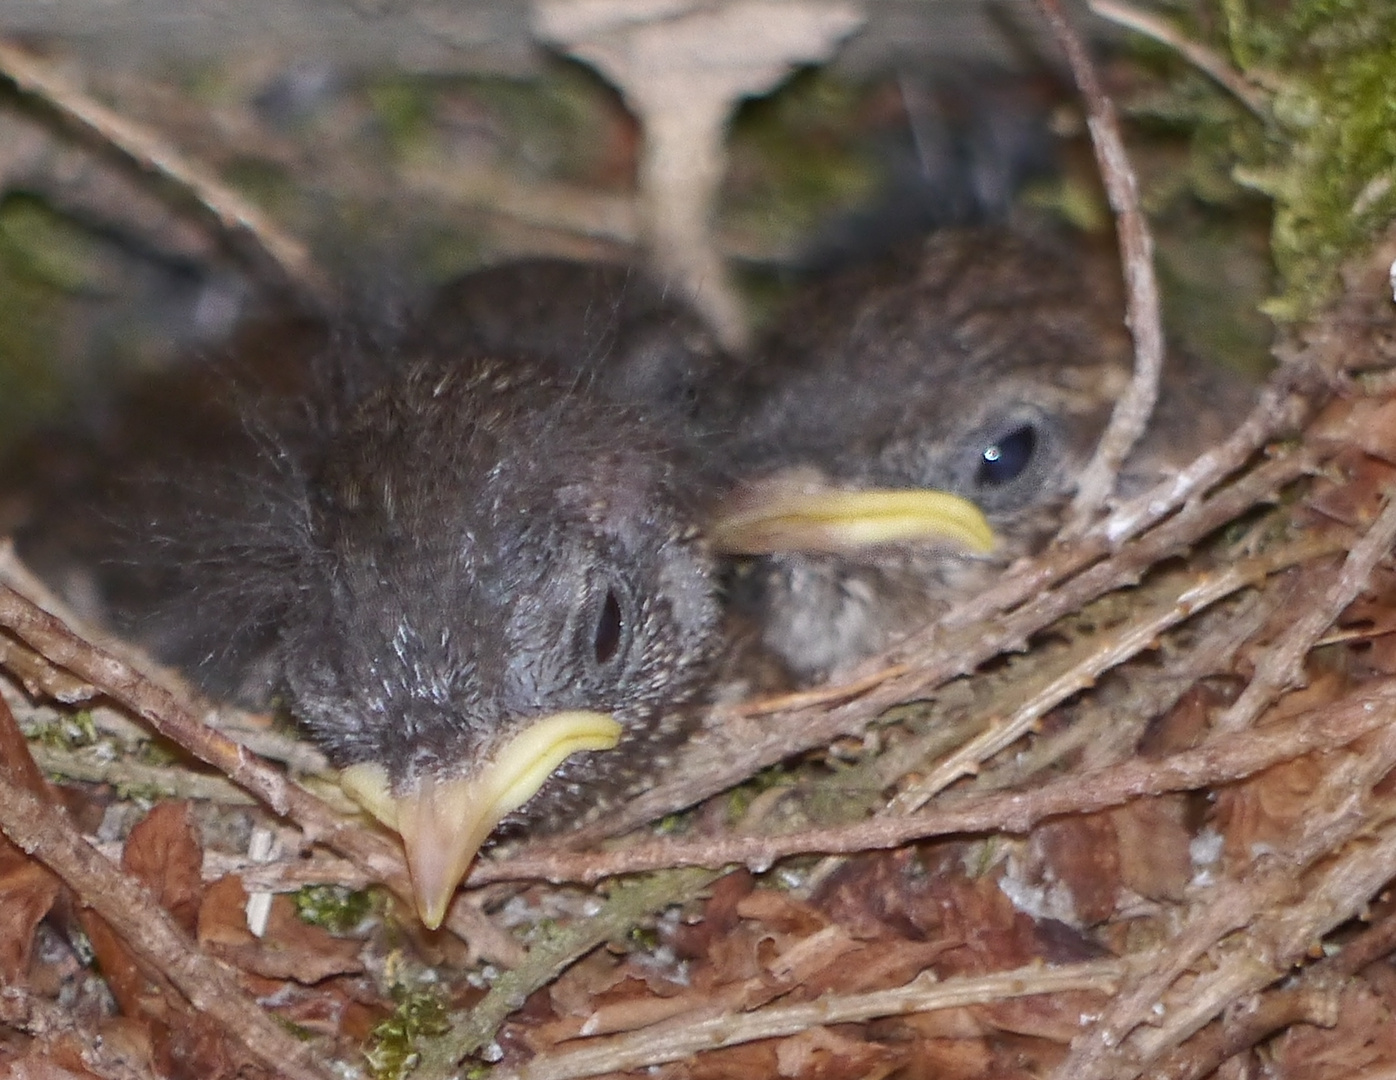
(981, 363)
(414, 552)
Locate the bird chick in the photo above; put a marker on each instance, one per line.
(980, 367)
(612, 327)
(477, 587)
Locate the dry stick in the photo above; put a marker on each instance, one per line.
(736, 747)
(1211, 654)
(627, 905)
(1282, 666)
(1289, 926)
(168, 781)
(1312, 997)
(676, 1040)
(46, 833)
(1131, 414)
(1252, 1022)
(1120, 645)
(234, 215)
(1205, 60)
(1277, 941)
(48, 1020)
(178, 723)
(1224, 759)
(19, 768)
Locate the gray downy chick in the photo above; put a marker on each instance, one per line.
(477, 586)
(612, 327)
(895, 402)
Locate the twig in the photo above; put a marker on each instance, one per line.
(1199, 56)
(1282, 921)
(167, 780)
(681, 1038)
(1282, 666)
(1279, 938)
(48, 1021)
(38, 676)
(1120, 645)
(1311, 1001)
(235, 216)
(45, 832)
(1221, 760)
(627, 906)
(1108, 730)
(1136, 404)
(736, 746)
(176, 721)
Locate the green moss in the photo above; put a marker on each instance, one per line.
(68, 731)
(796, 159)
(403, 105)
(1330, 159)
(420, 1013)
(333, 907)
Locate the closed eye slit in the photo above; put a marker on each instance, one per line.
(609, 628)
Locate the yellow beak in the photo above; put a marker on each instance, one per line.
(784, 514)
(444, 820)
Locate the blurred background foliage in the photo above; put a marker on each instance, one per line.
(399, 179)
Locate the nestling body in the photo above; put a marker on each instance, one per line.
(980, 364)
(477, 585)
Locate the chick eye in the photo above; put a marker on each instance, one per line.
(609, 629)
(1004, 460)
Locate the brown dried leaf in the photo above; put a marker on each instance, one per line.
(1367, 424)
(1155, 860)
(27, 892)
(822, 1052)
(38, 1064)
(1081, 856)
(223, 914)
(1364, 1038)
(165, 855)
(1358, 499)
(1263, 811)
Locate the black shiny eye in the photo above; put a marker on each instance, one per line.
(1004, 460)
(609, 629)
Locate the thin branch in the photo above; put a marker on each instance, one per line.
(1251, 1022)
(48, 1021)
(1282, 921)
(1199, 56)
(234, 215)
(1143, 315)
(678, 1039)
(1223, 759)
(177, 721)
(166, 780)
(45, 832)
(626, 907)
(1282, 665)
(1120, 645)
(737, 744)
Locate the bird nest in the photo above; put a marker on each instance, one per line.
(1126, 813)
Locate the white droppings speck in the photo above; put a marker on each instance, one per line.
(260, 848)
